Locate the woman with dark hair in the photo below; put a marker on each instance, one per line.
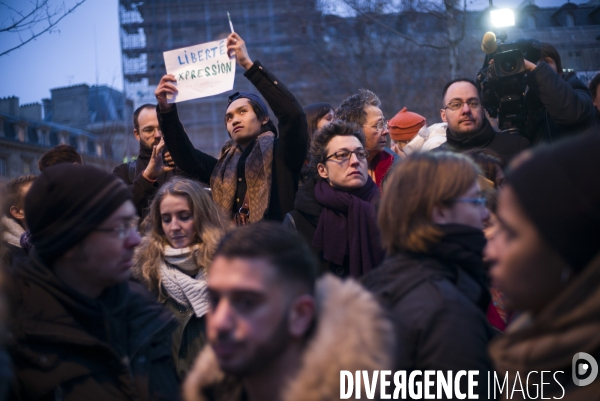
(183, 229)
(334, 210)
(546, 258)
(256, 176)
(558, 104)
(317, 116)
(433, 281)
(490, 164)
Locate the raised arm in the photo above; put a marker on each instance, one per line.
(193, 161)
(292, 125)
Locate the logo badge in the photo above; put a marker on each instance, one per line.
(584, 365)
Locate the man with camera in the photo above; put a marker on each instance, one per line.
(468, 127)
(558, 104)
(153, 166)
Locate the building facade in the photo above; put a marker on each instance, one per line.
(403, 55)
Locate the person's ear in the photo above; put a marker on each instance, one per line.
(18, 214)
(137, 134)
(322, 170)
(302, 315)
(441, 214)
(265, 120)
(443, 115)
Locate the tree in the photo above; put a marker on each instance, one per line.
(404, 51)
(29, 20)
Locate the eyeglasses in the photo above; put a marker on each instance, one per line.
(479, 201)
(344, 155)
(123, 230)
(381, 125)
(458, 104)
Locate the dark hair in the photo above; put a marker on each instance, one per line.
(352, 108)
(283, 248)
(137, 112)
(550, 51)
(14, 197)
(318, 145)
(59, 154)
(455, 81)
(314, 112)
(260, 115)
(594, 85)
(488, 161)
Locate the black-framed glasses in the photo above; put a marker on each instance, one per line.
(344, 155)
(458, 104)
(479, 201)
(381, 125)
(122, 230)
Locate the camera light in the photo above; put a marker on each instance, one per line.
(502, 17)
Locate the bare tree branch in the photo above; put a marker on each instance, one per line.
(41, 14)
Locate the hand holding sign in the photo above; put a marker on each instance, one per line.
(164, 91)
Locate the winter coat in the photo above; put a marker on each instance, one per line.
(558, 105)
(190, 335)
(351, 333)
(141, 189)
(66, 346)
(438, 302)
(569, 324)
(384, 163)
(427, 138)
(289, 149)
(505, 145)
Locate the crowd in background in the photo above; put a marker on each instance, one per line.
(333, 240)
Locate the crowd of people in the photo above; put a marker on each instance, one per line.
(333, 241)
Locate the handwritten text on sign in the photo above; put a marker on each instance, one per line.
(201, 70)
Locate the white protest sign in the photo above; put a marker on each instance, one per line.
(201, 70)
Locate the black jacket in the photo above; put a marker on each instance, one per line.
(437, 302)
(505, 145)
(141, 189)
(66, 346)
(289, 151)
(558, 106)
(305, 218)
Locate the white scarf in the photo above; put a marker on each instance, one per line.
(184, 280)
(12, 231)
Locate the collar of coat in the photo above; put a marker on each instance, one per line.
(480, 139)
(350, 322)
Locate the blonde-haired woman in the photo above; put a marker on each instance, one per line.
(182, 231)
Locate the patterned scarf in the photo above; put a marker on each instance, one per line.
(184, 280)
(259, 166)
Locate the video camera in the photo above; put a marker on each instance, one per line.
(502, 85)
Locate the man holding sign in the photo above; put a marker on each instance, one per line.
(257, 173)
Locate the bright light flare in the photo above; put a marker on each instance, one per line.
(502, 17)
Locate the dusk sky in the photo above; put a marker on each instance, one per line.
(85, 48)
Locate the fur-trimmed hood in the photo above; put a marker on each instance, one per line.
(352, 333)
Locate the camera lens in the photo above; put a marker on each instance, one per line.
(509, 65)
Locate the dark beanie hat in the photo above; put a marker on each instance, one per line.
(66, 202)
(559, 190)
(251, 96)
